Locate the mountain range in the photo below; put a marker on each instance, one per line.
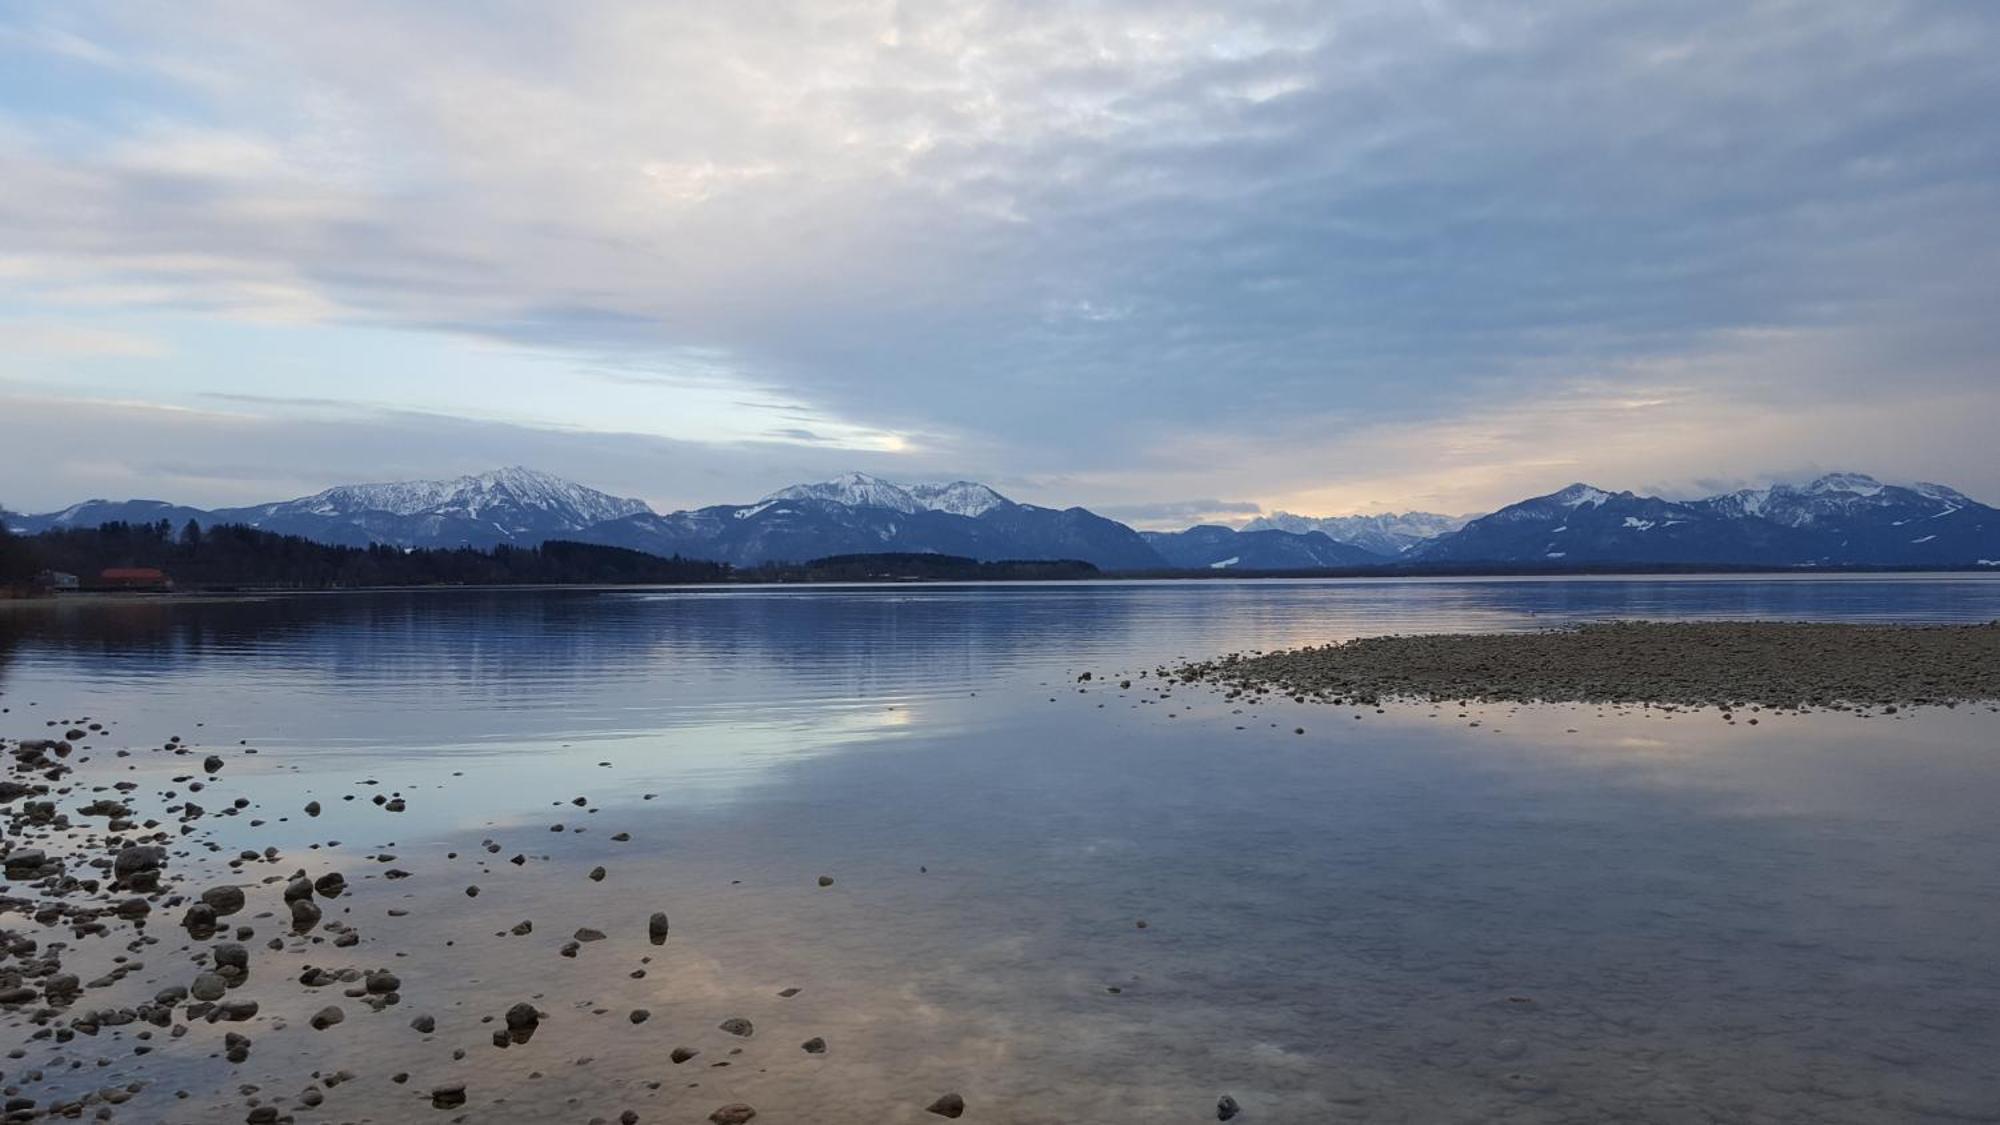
(1389, 534)
(1841, 519)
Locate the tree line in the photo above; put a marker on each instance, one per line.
(236, 556)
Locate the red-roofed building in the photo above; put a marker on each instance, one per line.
(134, 578)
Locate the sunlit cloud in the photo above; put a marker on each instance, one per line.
(1337, 257)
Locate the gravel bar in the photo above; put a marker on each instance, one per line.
(1760, 663)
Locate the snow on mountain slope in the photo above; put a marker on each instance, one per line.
(960, 498)
(472, 497)
(1391, 533)
(859, 490)
(514, 505)
(1840, 519)
(1838, 498)
(854, 490)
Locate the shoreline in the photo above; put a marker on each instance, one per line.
(1765, 664)
(224, 593)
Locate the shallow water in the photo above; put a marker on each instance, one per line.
(1560, 913)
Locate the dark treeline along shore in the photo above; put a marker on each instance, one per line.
(1724, 664)
(232, 557)
(235, 557)
(239, 557)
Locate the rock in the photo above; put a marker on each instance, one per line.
(523, 1017)
(237, 1009)
(451, 1095)
(312, 808)
(381, 982)
(298, 888)
(305, 914)
(212, 763)
(640, 1015)
(656, 928)
(224, 900)
(585, 933)
(208, 986)
(737, 1026)
(683, 1054)
(326, 1017)
(735, 1113)
(826, 880)
(199, 920)
(331, 884)
(28, 858)
(950, 1105)
(597, 874)
(134, 862)
(425, 1024)
(814, 1046)
(231, 955)
(1226, 1108)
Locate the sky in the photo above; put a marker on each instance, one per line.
(1174, 261)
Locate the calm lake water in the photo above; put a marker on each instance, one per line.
(1429, 914)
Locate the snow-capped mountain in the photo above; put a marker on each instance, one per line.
(515, 505)
(960, 498)
(1839, 496)
(857, 513)
(496, 494)
(1841, 519)
(859, 490)
(1387, 534)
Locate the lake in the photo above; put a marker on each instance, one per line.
(1426, 913)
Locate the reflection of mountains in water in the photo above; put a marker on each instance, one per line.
(490, 640)
(866, 639)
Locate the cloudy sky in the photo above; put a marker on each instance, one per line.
(1167, 259)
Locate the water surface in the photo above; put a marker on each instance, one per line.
(1426, 914)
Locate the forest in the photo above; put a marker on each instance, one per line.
(230, 556)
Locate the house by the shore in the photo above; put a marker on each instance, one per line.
(133, 578)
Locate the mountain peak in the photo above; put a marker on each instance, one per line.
(1579, 494)
(514, 498)
(960, 497)
(860, 490)
(1389, 533)
(855, 490)
(1859, 483)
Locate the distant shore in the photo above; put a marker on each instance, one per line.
(1721, 664)
(1013, 572)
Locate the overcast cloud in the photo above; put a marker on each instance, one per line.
(1323, 257)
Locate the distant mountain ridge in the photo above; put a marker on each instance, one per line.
(1389, 534)
(1215, 547)
(1840, 519)
(859, 514)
